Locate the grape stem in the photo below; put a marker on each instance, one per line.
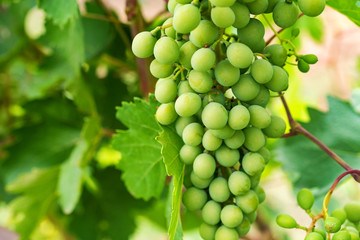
(296, 129)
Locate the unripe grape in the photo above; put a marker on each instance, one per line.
(214, 116)
(171, 5)
(272, 4)
(204, 166)
(279, 81)
(226, 74)
(166, 50)
(312, 8)
(192, 134)
(261, 71)
(186, 18)
(258, 6)
(253, 163)
(295, 32)
(354, 233)
(332, 224)
(236, 141)
(259, 117)
(339, 214)
(260, 193)
(342, 235)
(184, 1)
(189, 153)
(244, 227)
(285, 14)
(252, 216)
(199, 182)
(219, 190)
(231, 216)
(310, 58)
(211, 212)
(255, 180)
(254, 139)
(239, 55)
(203, 59)
(186, 52)
(222, 17)
(166, 114)
(305, 199)
(262, 98)
(248, 202)
(187, 104)
(314, 236)
(239, 117)
(222, 3)
(211, 142)
(207, 232)
(201, 82)
(286, 221)
(278, 54)
(182, 122)
(143, 45)
(160, 70)
(224, 232)
(214, 95)
(184, 87)
(165, 91)
(224, 133)
(352, 210)
(194, 199)
(169, 31)
(204, 34)
(252, 32)
(265, 153)
(257, 45)
(303, 66)
(242, 15)
(276, 129)
(227, 157)
(239, 183)
(246, 88)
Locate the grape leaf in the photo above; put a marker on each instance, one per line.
(350, 8)
(60, 11)
(306, 163)
(143, 169)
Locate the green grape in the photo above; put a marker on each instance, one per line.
(303, 66)
(242, 15)
(210, 142)
(204, 166)
(160, 70)
(277, 54)
(342, 235)
(194, 199)
(177, 7)
(254, 139)
(312, 8)
(305, 199)
(332, 224)
(180, 42)
(259, 117)
(239, 55)
(219, 190)
(226, 74)
(252, 216)
(182, 122)
(231, 216)
(214, 116)
(214, 95)
(262, 71)
(189, 153)
(248, 202)
(266, 154)
(222, 17)
(253, 163)
(225, 233)
(165, 91)
(227, 157)
(352, 210)
(201, 82)
(171, 6)
(285, 14)
(239, 117)
(211, 212)
(246, 88)
(314, 236)
(169, 31)
(192, 134)
(222, 3)
(321, 232)
(354, 233)
(204, 34)
(166, 114)
(257, 46)
(187, 104)
(339, 214)
(272, 4)
(199, 182)
(244, 227)
(255, 180)
(236, 141)
(203, 59)
(252, 32)
(224, 133)
(279, 81)
(258, 6)
(143, 45)
(276, 129)
(186, 18)
(260, 193)
(166, 50)
(187, 50)
(184, 87)
(239, 183)
(295, 32)
(207, 232)
(184, 1)
(262, 98)
(187, 180)
(286, 221)
(310, 58)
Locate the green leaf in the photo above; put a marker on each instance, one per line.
(60, 11)
(350, 8)
(144, 171)
(306, 163)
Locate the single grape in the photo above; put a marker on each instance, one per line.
(226, 74)
(279, 81)
(303, 66)
(312, 8)
(239, 117)
(285, 14)
(182, 122)
(201, 82)
(203, 59)
(277, 54)
(204, 166)
(260, 192)
(214, 116)
(219, 190)
(187, 50)
(246, 88)
(186, 18)
(160, 70)
(165, 91)
(314, 236)
(210, 142)
(169, 31)
(194, 199)
(271, 5)
(352, 210)
(242, 15)
(332, 224)
(231, 216)
(310, 58)
(342, 235)
(252, 32)
(259, 117)
(257, 45)
(239, 55)
(239, 183)
(339, 214)
(187, 104)
(192, 134)
(184, 87)
(207, 232)
(189, 153)
(224, 133)
(204, 34)
(222, 3)
(199, 182)
(166, 50)
(276, 129)
(248, 202)
(225, 233)
(253, 163)
(214, 95)
(211, 212)
(171, 6)
(222, 17)
(227, 157)
(143, 45)
(166, 114)
(262, 98)
(236, 141)
(258, 6)
(244, 227)
(266, 154)
(254, 139)
(286, 221)
(305, 199)
(262, 71)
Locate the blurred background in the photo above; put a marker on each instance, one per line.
(65, 66)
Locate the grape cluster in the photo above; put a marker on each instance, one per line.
(215, 77)
(343, 224)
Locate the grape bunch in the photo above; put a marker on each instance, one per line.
(215, 77)
(342, 224)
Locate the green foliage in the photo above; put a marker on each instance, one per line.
(349, 8)
(60, 11)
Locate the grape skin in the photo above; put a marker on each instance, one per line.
(231, 216)
(239, 55)
(254, 139)
(165, 91)
(246, 88)
(204, 34)
(236, 141)
(285, 14)
(143, 45)
(223, 17)
(227, 157)
(248, 202)
(312, 8)
(186, 18)
(201, 82)
(253, 163)
(203, 59)
(166, 50)
(242, 15)
(182, 122)
(189, 153)
(239, 117)
(210, 142)
(239, 183)
(224, 232)
(214, 116)
(192, 134)
(194, 199)
(226, 74)
(166, 114)
(261, 71)
(204, 166)
(259, 117)
(211, 212)
(219, 190)
(187, 104)
(186, 52)
(207, 232)
(160, 70)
